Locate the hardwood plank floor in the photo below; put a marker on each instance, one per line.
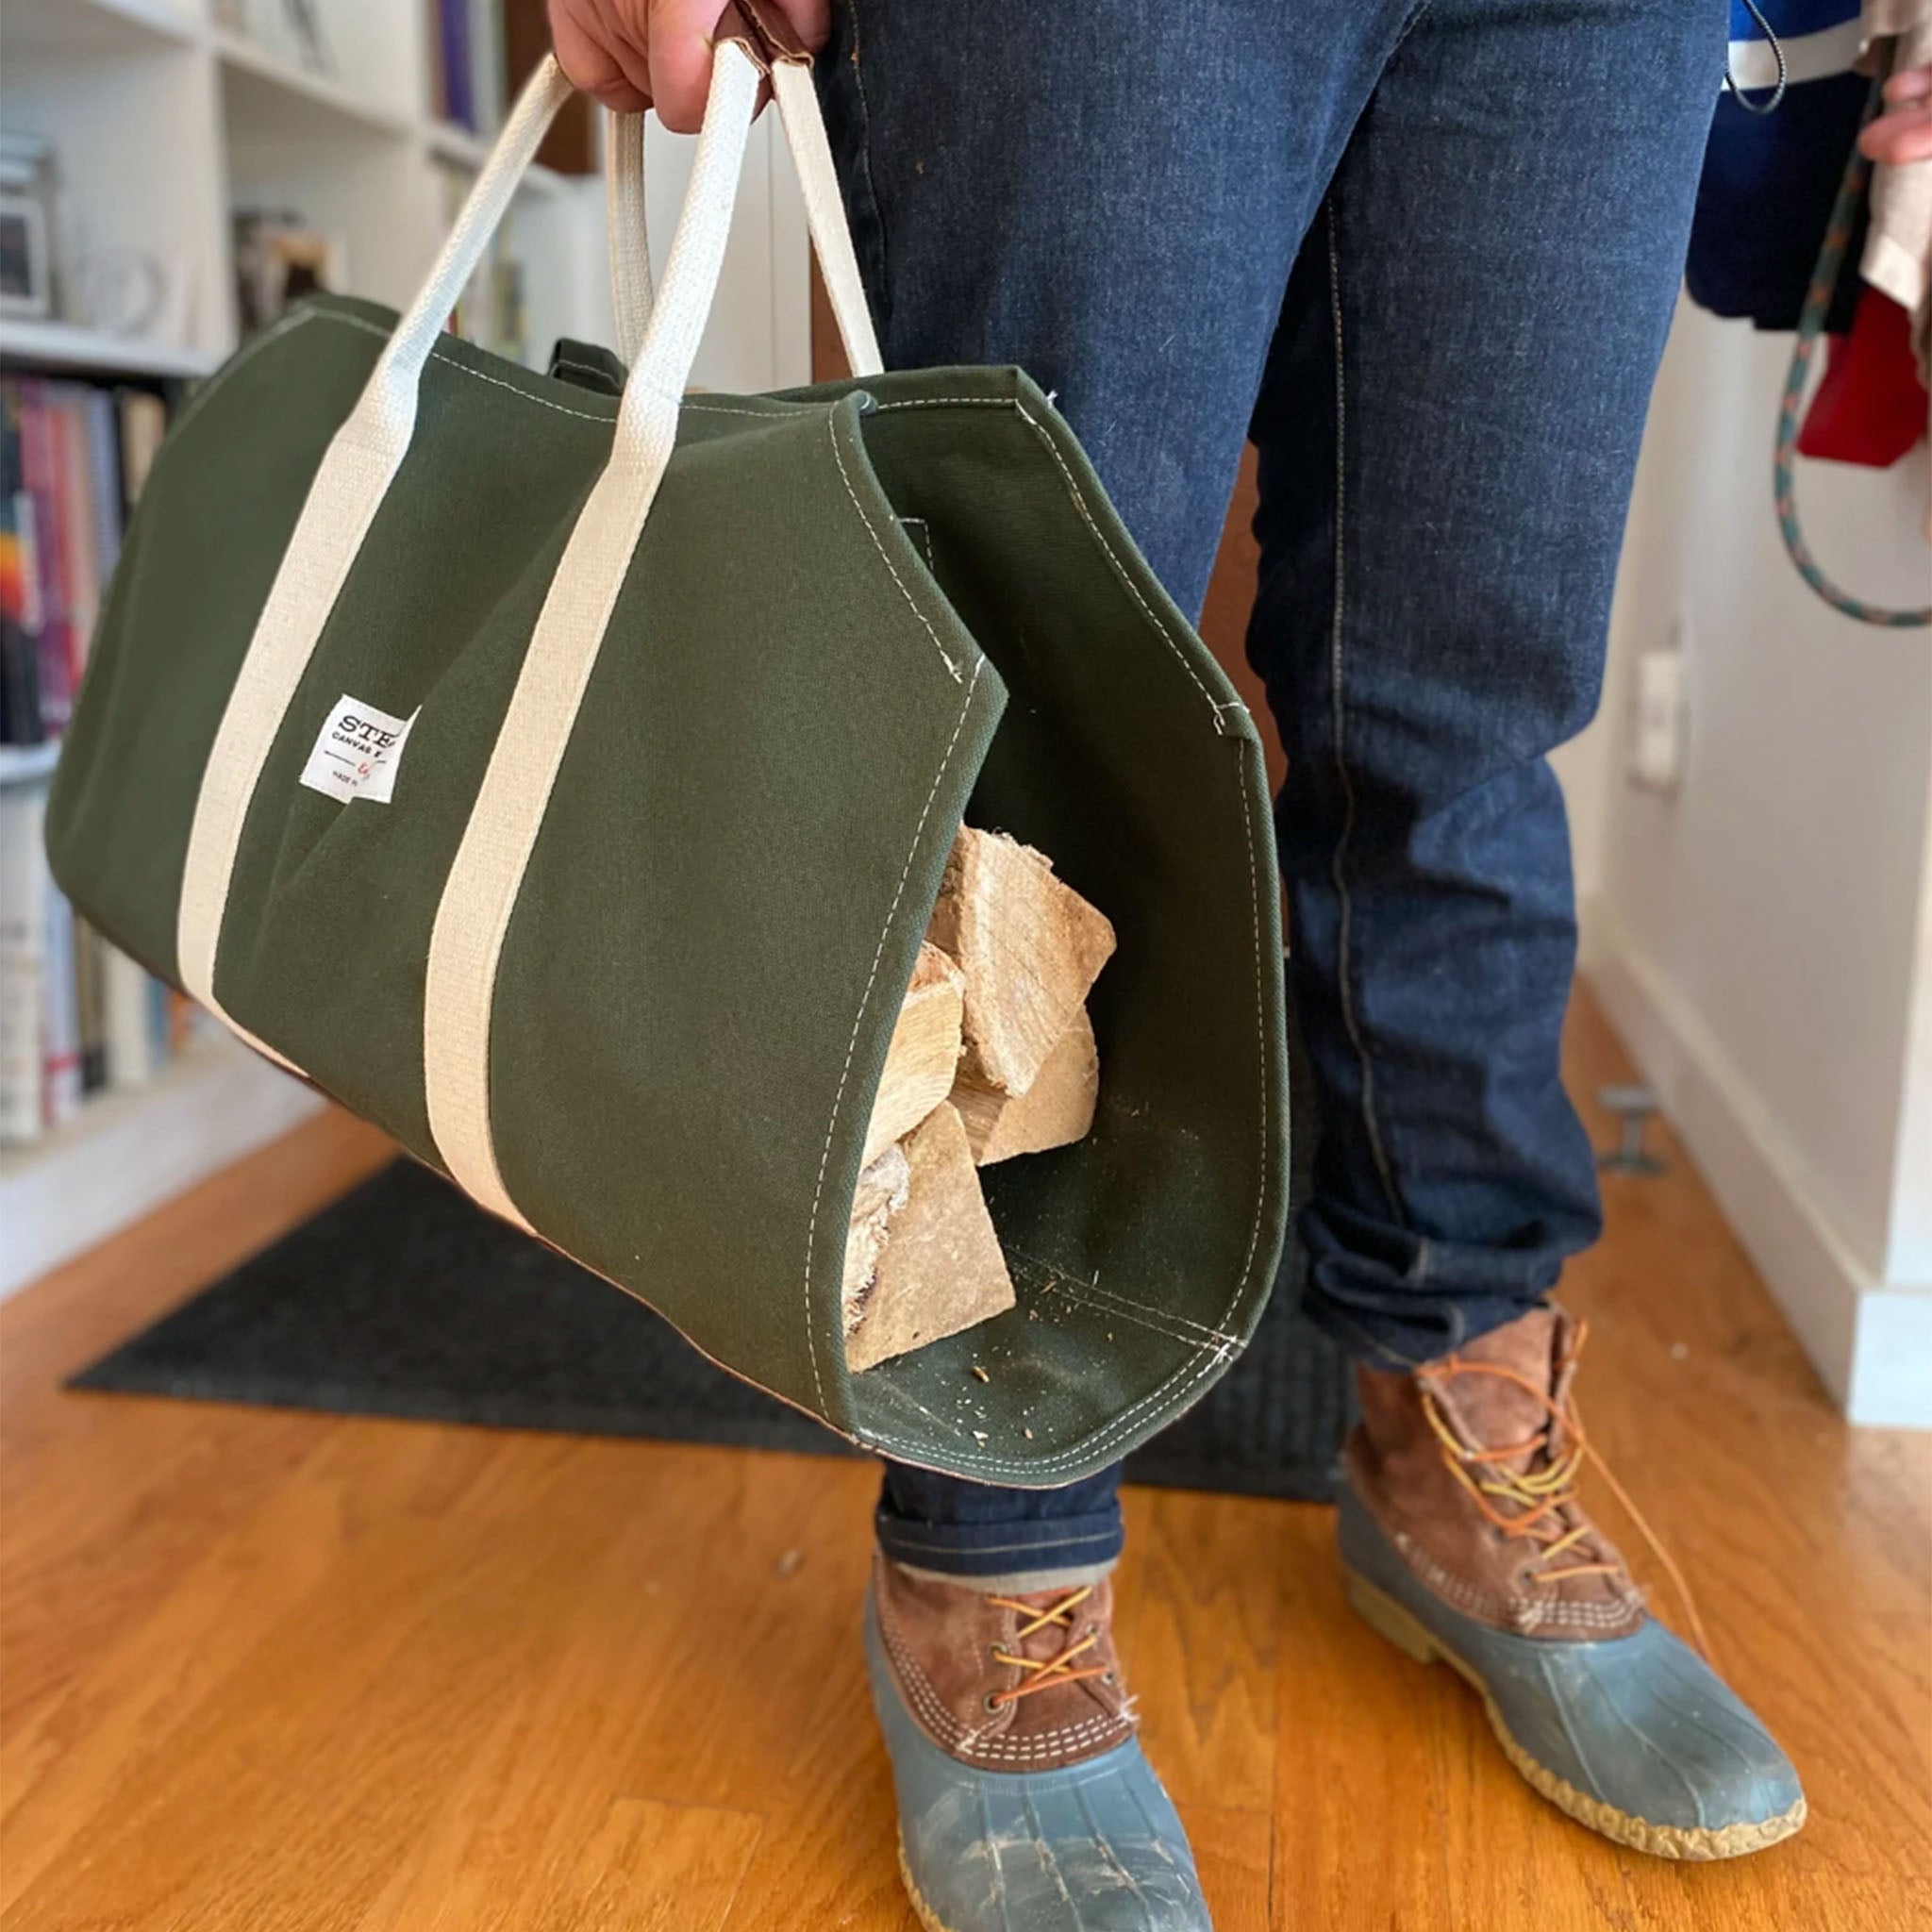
(263, 1671)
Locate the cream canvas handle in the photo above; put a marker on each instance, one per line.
(480, 893)
(631, 242)
(824, 214)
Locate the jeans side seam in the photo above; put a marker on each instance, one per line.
(1337, 865)
(879, 299)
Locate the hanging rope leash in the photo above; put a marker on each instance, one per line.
(1838, 237)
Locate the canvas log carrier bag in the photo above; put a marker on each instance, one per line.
(684, 700)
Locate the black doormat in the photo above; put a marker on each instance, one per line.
(403, 1299)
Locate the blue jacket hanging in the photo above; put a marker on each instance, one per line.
(1770, 179)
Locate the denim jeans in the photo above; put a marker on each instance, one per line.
(1425, 254)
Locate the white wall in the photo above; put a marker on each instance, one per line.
(1763, 935)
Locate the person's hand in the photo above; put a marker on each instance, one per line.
(637, 54)
(1903, 131)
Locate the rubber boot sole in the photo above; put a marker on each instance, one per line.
(922, 1911)
(1388, 1619)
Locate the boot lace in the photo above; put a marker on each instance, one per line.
(1041, 1673)
(1534, 1501)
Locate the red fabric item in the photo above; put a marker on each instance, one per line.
(1870, 408)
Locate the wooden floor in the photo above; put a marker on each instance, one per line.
(269, 1671)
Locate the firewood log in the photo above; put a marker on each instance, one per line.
(1030, 948)
(1055, 1111)
(883, 1187)
(923, 1059)
(940, 1269)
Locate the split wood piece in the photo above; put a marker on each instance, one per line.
(1055, 1111)
(883, 1187)
(923, 1061)
(1030, 947)
(940, 1269)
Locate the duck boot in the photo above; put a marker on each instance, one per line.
(1025, 1803)
(1463, 1541)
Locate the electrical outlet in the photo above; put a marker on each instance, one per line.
(1657, 749)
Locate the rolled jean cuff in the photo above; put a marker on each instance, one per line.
(1394, 1301)
(999, 1549)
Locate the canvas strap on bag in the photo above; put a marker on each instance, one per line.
(343, 502)
(661, 339)
(480, 893)
(630, 243)
(824, 213)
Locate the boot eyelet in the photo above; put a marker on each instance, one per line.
(992, 1651)
(993, 1701)
(1109, 1677)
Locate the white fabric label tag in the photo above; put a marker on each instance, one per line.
(358, 751)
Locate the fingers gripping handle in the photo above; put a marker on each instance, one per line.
(762, 34)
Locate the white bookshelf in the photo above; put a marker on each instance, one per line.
(70, 346)
(27, 764)
(165, 123)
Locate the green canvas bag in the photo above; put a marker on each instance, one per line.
(681, 700)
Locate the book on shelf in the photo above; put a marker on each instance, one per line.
(23, 964)
(76, 1016)
(60, 1087)
(67, 452)
(491, 310)
(468, 81)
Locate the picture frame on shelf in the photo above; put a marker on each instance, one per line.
(26, 270)
(278, 259)
(30, 187)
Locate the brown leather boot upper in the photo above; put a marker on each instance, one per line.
(1470, 1472)
(945, 1645)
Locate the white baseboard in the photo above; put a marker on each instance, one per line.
(1870, 1343)
(1891, 1360)
(127, 1153)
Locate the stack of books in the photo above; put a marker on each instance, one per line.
(73, 455)
(75, 1016)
